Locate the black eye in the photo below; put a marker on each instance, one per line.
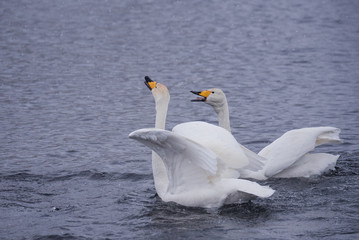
(212, 92)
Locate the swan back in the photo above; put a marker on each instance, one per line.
(223, 144)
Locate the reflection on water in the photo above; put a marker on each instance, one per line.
(71, 90)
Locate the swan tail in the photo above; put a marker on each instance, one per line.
(244, 190)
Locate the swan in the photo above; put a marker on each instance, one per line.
(238, 159)
(193, 172)
(189, 173)
(289, 155)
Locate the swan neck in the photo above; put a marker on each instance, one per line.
(161, 114)
(223, 116)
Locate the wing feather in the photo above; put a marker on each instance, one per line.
(234, 156)
(187, 162)
(294, 144)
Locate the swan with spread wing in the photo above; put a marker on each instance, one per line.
(288, 156)
(194, 173)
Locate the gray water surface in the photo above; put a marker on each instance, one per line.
(71, 90)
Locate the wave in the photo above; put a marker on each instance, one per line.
(65, 236)
(64, 176)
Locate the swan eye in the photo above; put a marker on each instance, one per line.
(212, 92)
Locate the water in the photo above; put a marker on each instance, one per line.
(71, 90)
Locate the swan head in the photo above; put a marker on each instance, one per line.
(213, 96)
(158, 90)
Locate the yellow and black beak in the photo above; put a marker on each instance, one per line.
(202, 96)
(150, 83)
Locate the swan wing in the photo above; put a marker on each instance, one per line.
(256, 162)
(293, 145)
(311, 164)
(234, 156)
(188, 164)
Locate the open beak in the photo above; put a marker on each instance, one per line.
(202, 96)
(150, 83)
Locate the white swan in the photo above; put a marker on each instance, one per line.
(289, 155)
(193, 172)
(187, 172)
(236, 158)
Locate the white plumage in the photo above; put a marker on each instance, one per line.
(289, 155)
(192, 171)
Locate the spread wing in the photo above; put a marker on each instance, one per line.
(187, 162)
(294, 144)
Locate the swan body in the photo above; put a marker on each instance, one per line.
(289, 155)
(193, 173)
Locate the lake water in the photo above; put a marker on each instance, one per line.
(71, 90)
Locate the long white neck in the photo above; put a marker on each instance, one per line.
(161, 113)
(159, 170)
(223, 115)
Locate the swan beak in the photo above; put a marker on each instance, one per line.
(150, 83)
(203, 96)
